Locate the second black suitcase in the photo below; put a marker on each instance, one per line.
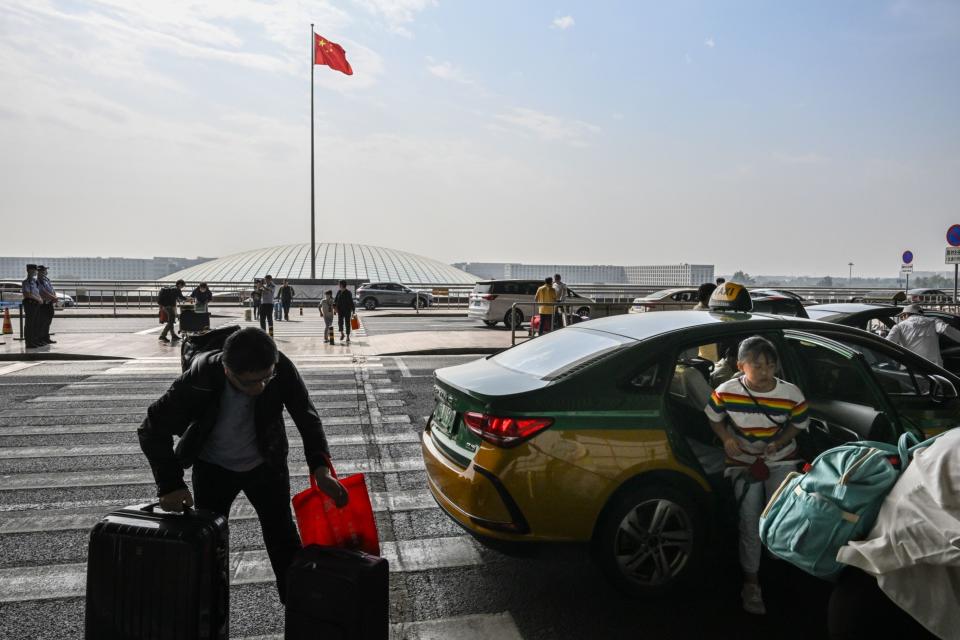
(153, 575)
(193, 321)
(337, 594)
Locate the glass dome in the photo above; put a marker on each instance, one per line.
(335, 261)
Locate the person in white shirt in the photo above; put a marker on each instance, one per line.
(921, 334)
(913, 552)
(562, 291)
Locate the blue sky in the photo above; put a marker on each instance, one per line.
(774, 137)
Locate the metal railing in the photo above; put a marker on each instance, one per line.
(604, 308)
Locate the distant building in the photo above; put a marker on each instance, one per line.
(653, 275)
(667, 275)
(77, 268)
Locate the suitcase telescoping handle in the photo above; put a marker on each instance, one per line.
(153, 506)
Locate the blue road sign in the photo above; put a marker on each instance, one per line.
(953, 235)
(907, 257)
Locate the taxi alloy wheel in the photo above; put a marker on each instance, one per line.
(370, 304)
(651, 540)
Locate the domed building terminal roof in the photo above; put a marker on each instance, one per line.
(335, 261)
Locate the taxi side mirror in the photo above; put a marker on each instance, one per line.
(941, 389)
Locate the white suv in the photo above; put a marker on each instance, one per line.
(492, 300)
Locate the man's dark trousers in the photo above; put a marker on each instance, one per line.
(268, 490)
(266, 315)
(46, 320)
(31, 322)
(286, 308)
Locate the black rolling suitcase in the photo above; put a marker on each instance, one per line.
(153, 575)
(193, 321)
(337, 594)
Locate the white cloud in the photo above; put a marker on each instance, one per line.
(397, 14)
(447, 71)
(547, 127)
(709, 42)
(563, 23)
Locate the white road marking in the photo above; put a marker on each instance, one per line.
(70, 520)
(488, 626)
(17, 366)
(19, 584)
(40, 411)
(91, 397)
(146, 332)
(404, 369)
(485, 626)
(62, 479)
(83, 450)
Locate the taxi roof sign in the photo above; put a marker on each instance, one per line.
(731, 296)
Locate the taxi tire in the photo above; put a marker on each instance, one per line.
(369, 304)
(517, 317)
(605, 540)
(490, 323)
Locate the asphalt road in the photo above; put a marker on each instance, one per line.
(68, 453)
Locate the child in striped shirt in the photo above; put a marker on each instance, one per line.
(757, 417)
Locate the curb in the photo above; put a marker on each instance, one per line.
(41, 355)
(451, 351)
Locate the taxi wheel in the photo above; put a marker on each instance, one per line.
(370, 304)
(516, 318)
(651, 540)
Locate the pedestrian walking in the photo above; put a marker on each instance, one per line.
(327, 310)
(345, 308)
(227, 410)
(546, 295)
(167, 299)
(921, 334)
(255, 297)
(562, 291)
(49, 296)
(32, 308)
(704, 292)
(267, 291)
(201, 297)
(286, 298)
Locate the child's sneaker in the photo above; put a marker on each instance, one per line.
(753, 599)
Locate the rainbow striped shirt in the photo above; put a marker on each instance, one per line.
(751, 420)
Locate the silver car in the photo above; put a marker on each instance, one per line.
(391, 294)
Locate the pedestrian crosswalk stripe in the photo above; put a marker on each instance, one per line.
(484, 626)
(20, 584)
(98, 478)
(16, 366)
(346, 391)
(69, 520)
(82, 450)
(41, 412)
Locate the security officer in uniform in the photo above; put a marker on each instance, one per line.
(49, 296)
(32, 303)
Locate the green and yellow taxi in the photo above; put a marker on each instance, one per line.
(596, 433)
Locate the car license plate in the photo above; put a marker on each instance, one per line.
(444, 417)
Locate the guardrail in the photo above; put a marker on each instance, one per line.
(607, 308)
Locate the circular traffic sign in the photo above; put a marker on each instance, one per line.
(907, 257)
(953, 235)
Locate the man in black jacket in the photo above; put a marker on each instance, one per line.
(227, 409)
(343, 303)
(167, 299)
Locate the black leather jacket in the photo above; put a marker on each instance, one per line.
(189, 410)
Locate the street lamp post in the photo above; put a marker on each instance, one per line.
(850, 274)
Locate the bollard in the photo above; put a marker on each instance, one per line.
(301, 308)
(247, 315)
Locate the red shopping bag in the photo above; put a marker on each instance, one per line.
(321, 522)
(354, 323)
(163, 316)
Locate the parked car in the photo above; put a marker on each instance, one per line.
(391, 294)
(879, 319)
(12, 292)
(665, 300)
(929, 296)
(779, 302)
(491, 301)
(583, 435)
(65, 301)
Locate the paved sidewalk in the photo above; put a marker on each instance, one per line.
(303, 335)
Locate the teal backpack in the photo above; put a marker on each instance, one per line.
(812, 515)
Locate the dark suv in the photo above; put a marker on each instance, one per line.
(391, 294)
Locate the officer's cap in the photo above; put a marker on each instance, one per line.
(31, 266)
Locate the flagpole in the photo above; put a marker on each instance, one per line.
(313, 245)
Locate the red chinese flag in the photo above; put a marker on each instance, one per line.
(330, 54)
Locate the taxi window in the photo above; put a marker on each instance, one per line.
(554, 354)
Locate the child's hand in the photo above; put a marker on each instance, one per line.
(731, 448)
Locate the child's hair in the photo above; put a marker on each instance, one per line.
(328, 292)
(752, 349)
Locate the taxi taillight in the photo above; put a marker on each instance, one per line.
(504, 431)
(489, 296)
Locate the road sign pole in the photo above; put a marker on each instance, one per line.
(955, 267)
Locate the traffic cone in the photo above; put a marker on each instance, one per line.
(7, 325)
